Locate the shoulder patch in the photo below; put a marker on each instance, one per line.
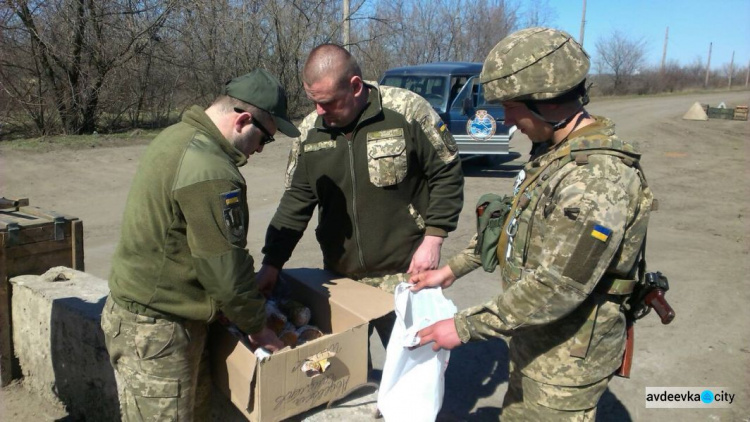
(234, 217)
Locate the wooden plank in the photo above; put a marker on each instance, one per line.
(36, 234)
(77, 244)
(40, 263)
(6, 337)
(33, 249)
(38, 212)
(21, 219)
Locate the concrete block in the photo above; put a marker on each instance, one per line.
(59, 344)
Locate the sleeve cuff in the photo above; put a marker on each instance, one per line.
(462, 328)
(435, 231)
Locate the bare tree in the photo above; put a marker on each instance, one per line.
(621, 58)
(74, 45)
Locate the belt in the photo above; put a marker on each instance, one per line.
(144, 314)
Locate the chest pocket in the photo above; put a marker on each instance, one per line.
(386, 157)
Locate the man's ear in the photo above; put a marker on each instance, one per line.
(241, 120)
(357, 85)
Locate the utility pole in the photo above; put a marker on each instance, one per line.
(747, 74)
(731, 70)
(664, 54)
(583, 23)
(346, 25)
(708, 65)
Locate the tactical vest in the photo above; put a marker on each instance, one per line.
(538, 189)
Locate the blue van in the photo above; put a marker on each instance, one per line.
(454, 91)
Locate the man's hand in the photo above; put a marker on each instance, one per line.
(266, 279)
(427, 256)
(442, 333)
(442, 277)
(266, 339)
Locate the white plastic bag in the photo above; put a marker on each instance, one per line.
(413, 381)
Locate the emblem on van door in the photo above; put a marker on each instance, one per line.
(482, 126)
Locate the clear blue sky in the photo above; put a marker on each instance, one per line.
(693, 24)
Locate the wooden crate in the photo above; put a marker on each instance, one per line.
(32, 241)
(740, 113)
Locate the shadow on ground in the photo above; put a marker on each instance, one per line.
(497, 166)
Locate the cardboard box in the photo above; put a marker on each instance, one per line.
(276, 388)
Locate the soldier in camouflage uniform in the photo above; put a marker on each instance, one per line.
(381, 168)
(181, 258)
(570, 245)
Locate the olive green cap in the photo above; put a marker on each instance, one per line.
(261, 89)
(533, 64)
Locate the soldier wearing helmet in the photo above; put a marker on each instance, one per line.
(570, 248)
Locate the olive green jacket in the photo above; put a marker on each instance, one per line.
(379, 190)
(182, 249)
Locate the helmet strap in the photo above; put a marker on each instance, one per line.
(556, 125)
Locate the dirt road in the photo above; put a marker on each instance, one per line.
(698, 238)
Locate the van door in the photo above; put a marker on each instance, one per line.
(463, 106)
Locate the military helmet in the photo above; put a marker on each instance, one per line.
(533, 64)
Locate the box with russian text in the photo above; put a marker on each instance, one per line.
(278, 387)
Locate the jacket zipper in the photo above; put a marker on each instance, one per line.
(357, 236)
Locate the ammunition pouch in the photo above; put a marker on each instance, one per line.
(492, 210)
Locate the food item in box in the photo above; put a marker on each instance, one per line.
(275, 319)
(296, 312)
(288, 335)
(308, 332)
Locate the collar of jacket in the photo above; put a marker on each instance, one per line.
(601, 125)
(373, 108)
(197, 117)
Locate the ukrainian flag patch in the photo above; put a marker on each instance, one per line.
(600, 232)
(231, 197)
(440, 126)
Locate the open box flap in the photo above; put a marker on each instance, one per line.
(364, 301)
(238, 360)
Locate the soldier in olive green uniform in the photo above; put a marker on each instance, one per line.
(181, 258)
(383, 172)
(570, 245)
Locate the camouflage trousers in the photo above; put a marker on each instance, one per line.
(549, 381)
(530, 400)
(161, 365)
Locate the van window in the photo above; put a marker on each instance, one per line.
(432, 88)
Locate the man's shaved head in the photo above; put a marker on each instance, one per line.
(330, 60)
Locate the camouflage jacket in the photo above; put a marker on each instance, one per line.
(182, 248)
(583, 221)
(378, 194)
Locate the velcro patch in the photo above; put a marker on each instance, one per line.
(389, 133)
(588, 251)
(319, 146)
